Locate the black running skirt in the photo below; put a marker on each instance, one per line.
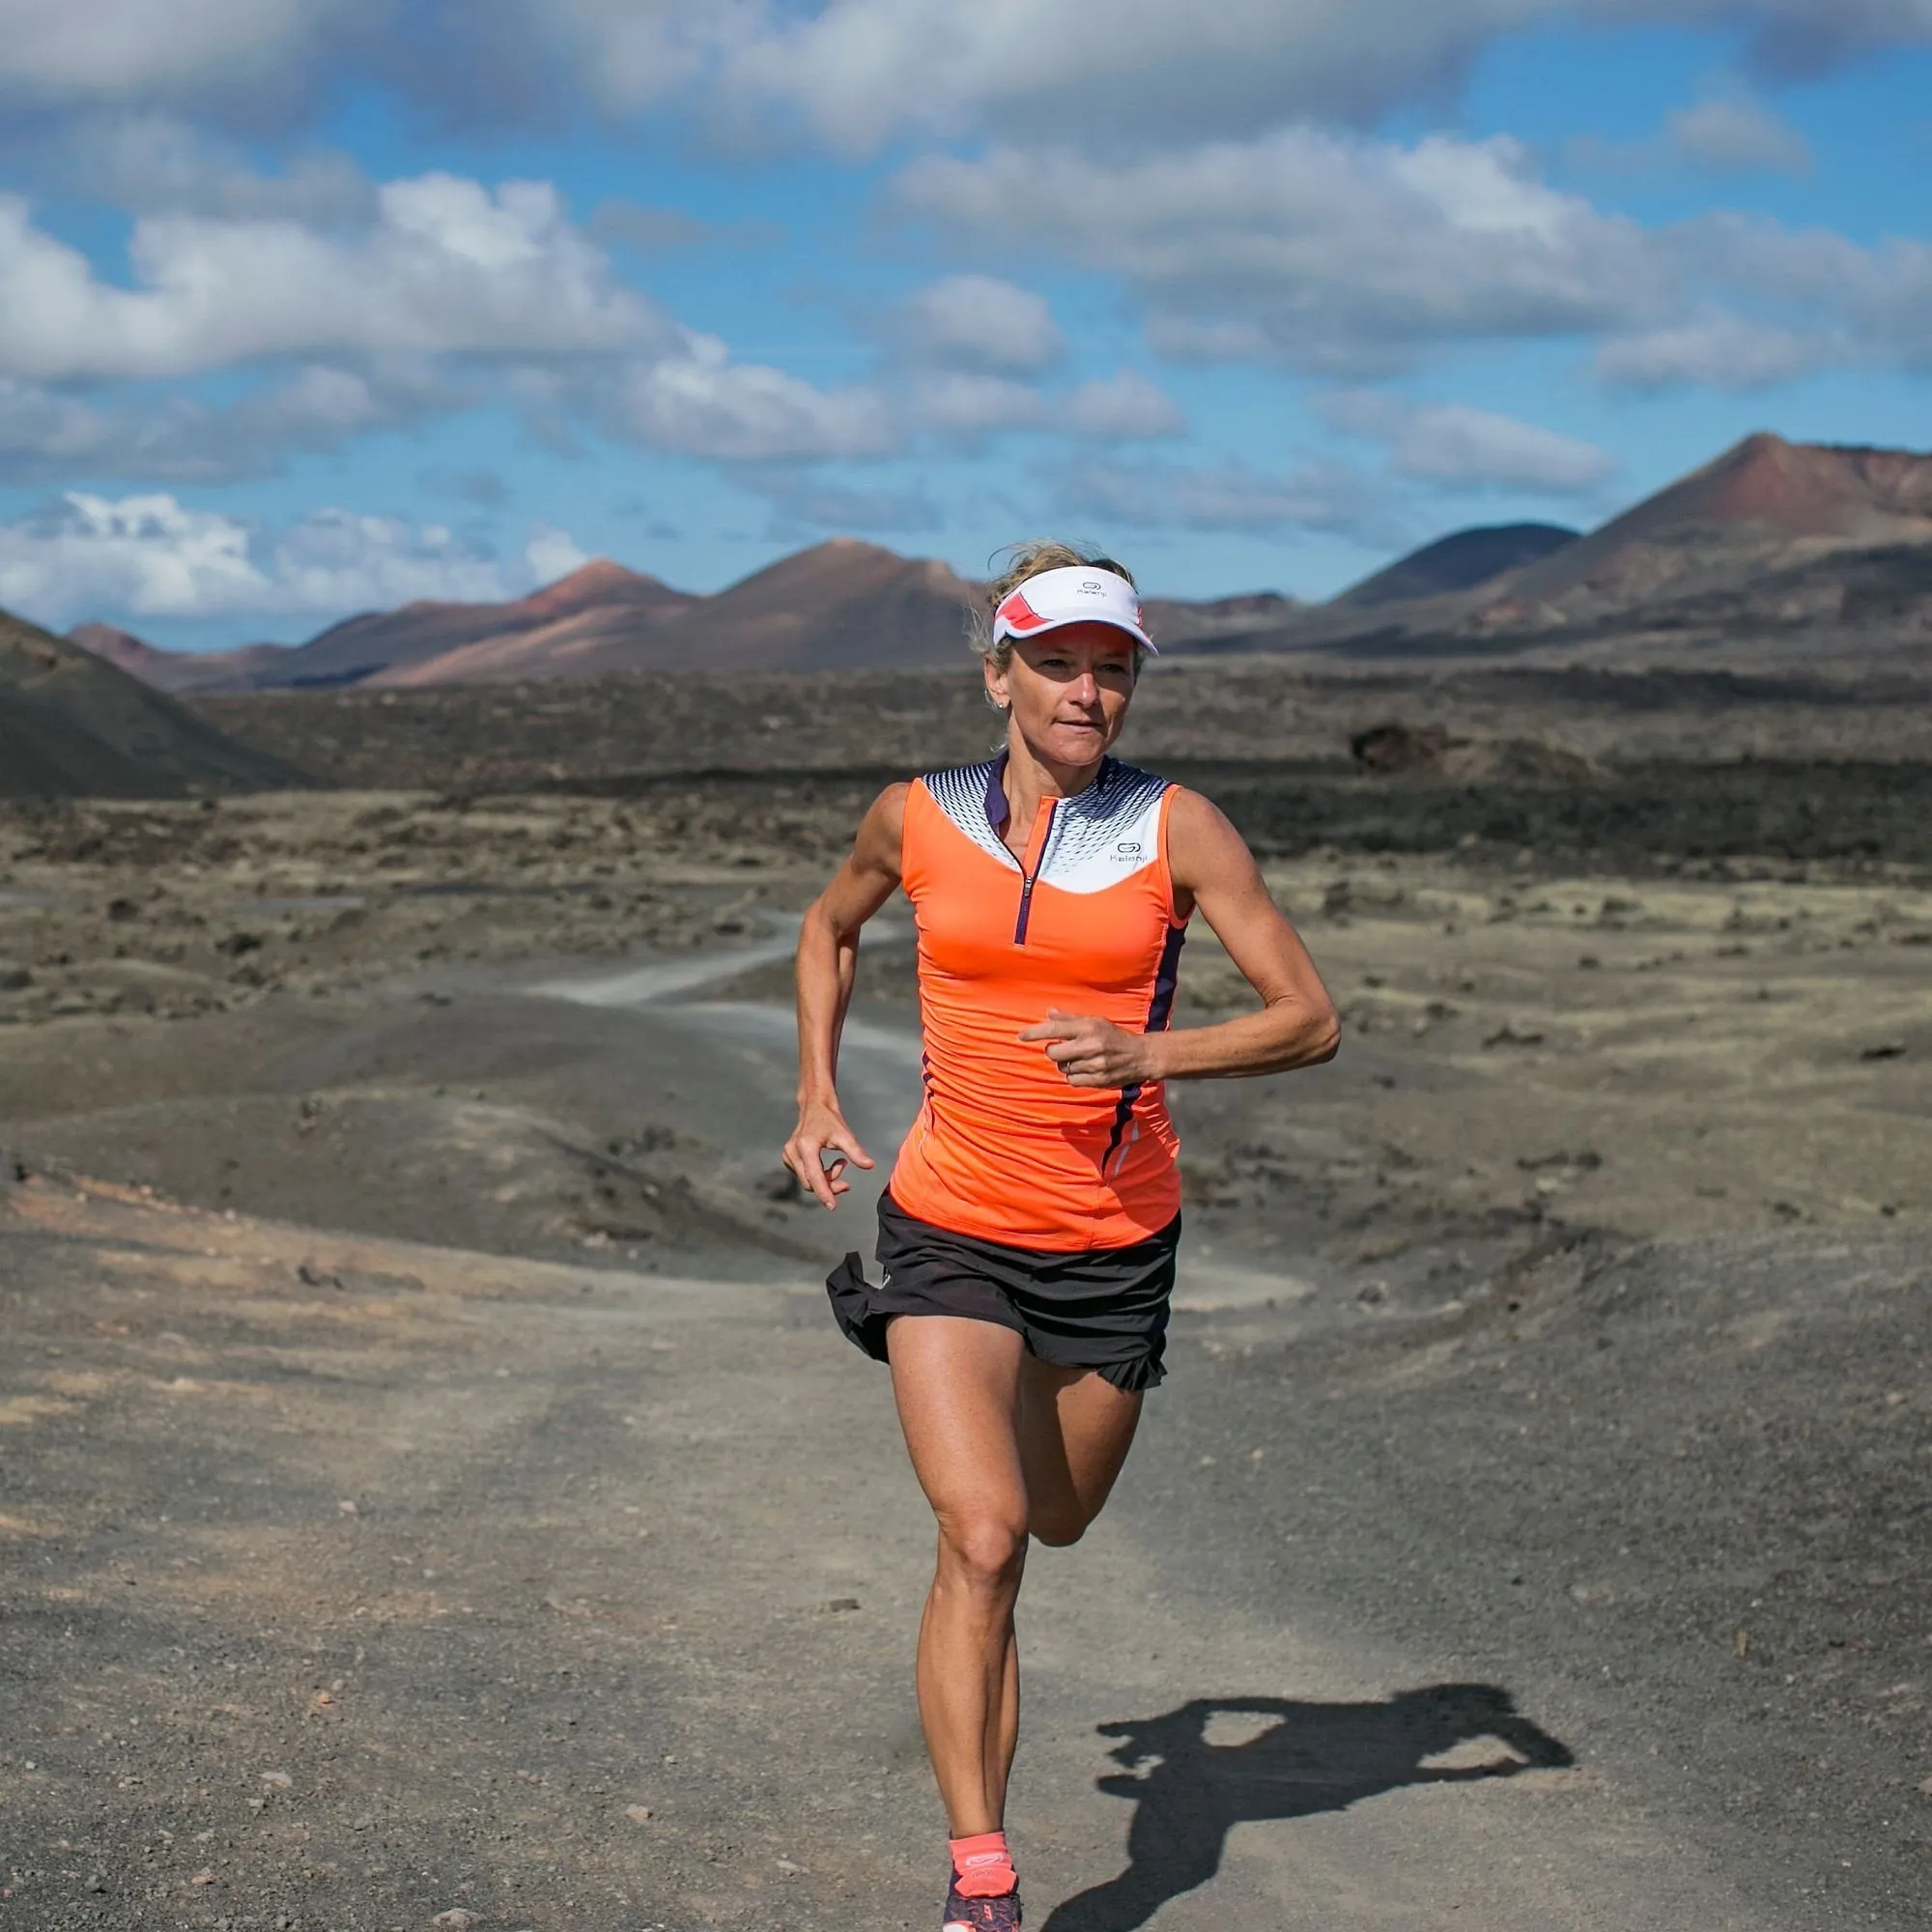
(1102, 1308)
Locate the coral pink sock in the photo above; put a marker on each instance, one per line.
(983, 1867)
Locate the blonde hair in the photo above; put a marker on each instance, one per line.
(1024, 560)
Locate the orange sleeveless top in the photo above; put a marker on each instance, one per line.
(1003, 1148)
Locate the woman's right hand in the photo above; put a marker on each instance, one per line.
(821, 1130)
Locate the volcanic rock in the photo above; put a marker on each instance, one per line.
(1396, 751)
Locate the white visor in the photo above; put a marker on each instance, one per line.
(1079, 594)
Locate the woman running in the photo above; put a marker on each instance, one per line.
(1033, 1216)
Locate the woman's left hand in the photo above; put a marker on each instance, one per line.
(1093, 1052)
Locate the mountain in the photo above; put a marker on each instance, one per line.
(1768, 536)
(1456, 562)
(73, 724)
(1773, 546)
(576, 613)
(179, 670)
(1215, 623)
(1764, 506)
(125, 651)
(838, 605)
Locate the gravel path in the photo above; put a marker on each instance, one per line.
(355, 1584)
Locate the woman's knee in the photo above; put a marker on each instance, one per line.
(984, 1549)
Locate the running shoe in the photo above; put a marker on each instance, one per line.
(981, 1915)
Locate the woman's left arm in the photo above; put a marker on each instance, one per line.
(1297, 1026)
(1211, 865)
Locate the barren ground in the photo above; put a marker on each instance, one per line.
(432, 1486)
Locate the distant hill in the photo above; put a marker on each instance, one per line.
(125, 651)
(838, 605)
(1765, 549)
(1765, 505)
(73, 724)
(179, 670)
(1832, 526)
(1456, 562)
(573, 614)
(1178, 625)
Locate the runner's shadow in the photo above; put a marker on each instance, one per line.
(1309, 1758)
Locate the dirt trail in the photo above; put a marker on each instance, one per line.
(1496, 1569)
(412, 1582)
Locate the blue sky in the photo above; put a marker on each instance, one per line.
(308, 306)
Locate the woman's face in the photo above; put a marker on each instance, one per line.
(1068, 692)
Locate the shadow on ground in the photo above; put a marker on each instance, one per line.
(1304, 1759)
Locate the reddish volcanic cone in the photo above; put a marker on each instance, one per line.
(439, 643)
(1761, 506)
(838, 605)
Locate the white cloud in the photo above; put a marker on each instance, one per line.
(976, 321)
(443, 271)
(447, 268)
(630, 54)
(805, 503)
(1729, 133)
(154, 556)
(1124, 406)
(1335, 253)
(958, 403)
(700, 402)
(1342, 256)
(1189, 339)
(147, 163)
(1453, 443)
(553, 553)
(41, 430)
(1716, 352)
(1736, 136)
(856, 73)
(1229, 495)
(1763, 304)
(136, 50)
(51, 436)
(340, 560)
(1873, 304)
(145, 554)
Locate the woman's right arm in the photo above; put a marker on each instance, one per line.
(828, 960)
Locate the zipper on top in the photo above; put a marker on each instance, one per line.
(1042, 829)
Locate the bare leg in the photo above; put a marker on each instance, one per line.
(957, 1385)
(1002, 1445)
(1075, 1430)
